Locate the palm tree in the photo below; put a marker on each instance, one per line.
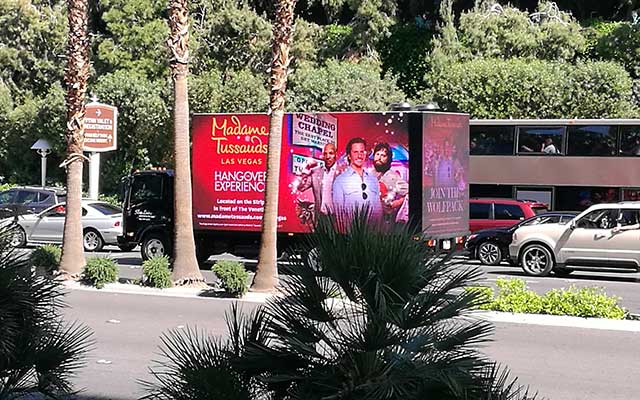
(266, 276)
(38, 351)
(76, 75)
(185, 264)
(383, 318)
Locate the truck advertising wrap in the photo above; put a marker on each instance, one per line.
(445, 188)
(329, 161)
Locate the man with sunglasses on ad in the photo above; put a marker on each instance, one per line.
(357, 188)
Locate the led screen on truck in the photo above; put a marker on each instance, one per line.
(316, 176)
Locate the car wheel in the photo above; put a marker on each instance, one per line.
(92, 241)
(126, 247)
(489, 253)
(154, 245)
(562, 271)
(18, 237)
(536, 260)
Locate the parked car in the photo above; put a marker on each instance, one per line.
(101, 223)
(25, 200)
(491, 246)
(603, 236)
(487, 213)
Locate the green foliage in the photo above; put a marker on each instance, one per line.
(244, 91)
(513, 296)
(100, 270)
(233, 277)
(229, 36)
(32, 38)
(6, 186)
(112, 199)
(405, 54)
(398, 333)
(519, 88)
(341, 86)
(622, 44)
(136, 41)
(38, 351)
(336, 41)
(47, 256)
(582, 302)
(156, 272)
(511, 33)
(36, 117)
(144, 124)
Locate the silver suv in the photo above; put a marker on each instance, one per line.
(603, 236)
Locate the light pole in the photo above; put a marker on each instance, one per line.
(42, 147)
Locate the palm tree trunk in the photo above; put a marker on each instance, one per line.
(266, 277)
(185, 264)
(76, 75)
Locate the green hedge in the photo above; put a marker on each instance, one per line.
(521, 88)
(513, 296)
(156, 272)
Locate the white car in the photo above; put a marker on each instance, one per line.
(603, 236)
(101, 223)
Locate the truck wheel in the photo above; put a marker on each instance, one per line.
(92, 241)
(536, 260)
(154, 245)
(489, 253)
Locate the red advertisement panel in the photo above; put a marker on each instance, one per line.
(316, 176)
(445, 196)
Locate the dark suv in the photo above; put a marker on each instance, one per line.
(486, 213)
(24, 200)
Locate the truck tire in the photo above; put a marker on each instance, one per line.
(154, 245)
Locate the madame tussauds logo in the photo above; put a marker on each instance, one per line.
(250, 135)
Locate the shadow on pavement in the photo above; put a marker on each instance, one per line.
(577, 275)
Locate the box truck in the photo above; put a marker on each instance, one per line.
(406, 167)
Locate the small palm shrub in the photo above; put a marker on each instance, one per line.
(156, 273)
(47, 257)
(100, 270)
(39, 352)
(233, 277)
(404, 329)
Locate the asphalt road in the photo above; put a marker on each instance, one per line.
(559, 363)
(626, 286)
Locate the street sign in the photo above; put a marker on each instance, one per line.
(100, 127)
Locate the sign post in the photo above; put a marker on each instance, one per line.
(100, 135)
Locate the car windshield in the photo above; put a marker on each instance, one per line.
(106, 208)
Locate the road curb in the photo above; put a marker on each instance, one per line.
(258, 297)
(560, 321)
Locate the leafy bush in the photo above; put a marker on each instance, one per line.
(582, 302)
(112, 199)
(397, 334)
(156, 272)
(100, 270)
(6, 186)
(233, 277)
(341, 86)
(47, 256)
(513, 296)
(521, 88)
(39, 351)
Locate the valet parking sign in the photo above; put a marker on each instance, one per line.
(100, 128)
